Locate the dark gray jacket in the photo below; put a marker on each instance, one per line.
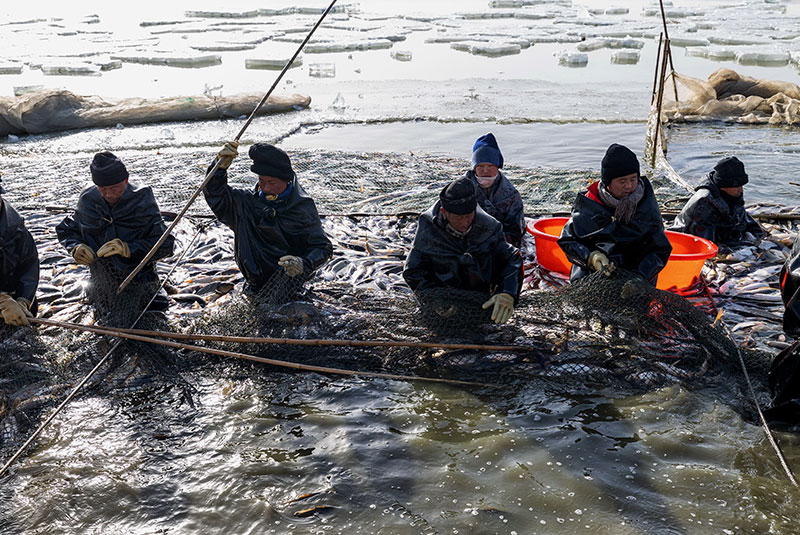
(19, 260)
(640, 246)
(709, 216)
(264, 231)
(482, 261)
(503, 203)
(134, 219)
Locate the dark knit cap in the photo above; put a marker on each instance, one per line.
(618, 161)
(729, 173)
(107, 169)
(458, 197)
(485, 150)
(269, 160)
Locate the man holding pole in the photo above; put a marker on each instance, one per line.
(19, 267)
(276, 225)
(117, 221)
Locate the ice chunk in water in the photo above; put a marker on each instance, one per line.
(572, 59)
(322, 70)
(24, 89)
(625, 57)
(70, 69)
(272, 64)
(11, 67)
(763, 57)
(487, 48)
(338, 103)
(401, 55)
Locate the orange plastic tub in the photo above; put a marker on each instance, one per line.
(689, 253)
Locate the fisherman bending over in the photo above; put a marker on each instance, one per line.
(275, 225)
(19, 267)
(716, 210)
(495, 194)
(460, 246)
(117, 221)
(616, 222)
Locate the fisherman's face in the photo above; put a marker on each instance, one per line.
(622, 186)
(485, 170)
(111, 194)
(733, 192)
(271, 186)
(460, 222)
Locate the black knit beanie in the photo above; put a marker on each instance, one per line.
(729, 173)
(107, 169)
(458, 197)
(269, 160)
(618, 161)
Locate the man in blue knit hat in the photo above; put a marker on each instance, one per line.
(494, 193)
(459, 246)
(275, 224)
(19, 267)
(716, 210)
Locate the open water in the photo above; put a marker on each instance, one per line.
(379, 456)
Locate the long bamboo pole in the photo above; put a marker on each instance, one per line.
(244, 356)
(658, 61)
(669, 49)
(214, 168)
(313, 342)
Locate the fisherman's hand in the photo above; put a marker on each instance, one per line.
(598, 261)
(115, 246)
(14, 312)
(227, 154)
(82, 254)
(503, 307)
(292, 265)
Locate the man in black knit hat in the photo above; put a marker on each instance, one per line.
(19, 267)
(616, 222)
(117, 221)
(716, 210)
(276, 224)
(460, 246)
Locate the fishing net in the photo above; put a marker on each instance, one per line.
(729, 96)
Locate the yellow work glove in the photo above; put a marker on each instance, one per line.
(82, 254)
(503, 307)
(115, 246)
(227, 154)
(15, 312)
(598, 261)
(292, 265)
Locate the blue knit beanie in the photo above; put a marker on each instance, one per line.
(485, 150)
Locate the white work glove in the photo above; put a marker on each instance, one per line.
(82, 254)
(115, 246)
(503, 307)
(598, 261)
(292, 265)
(227, 154)
(15, 312)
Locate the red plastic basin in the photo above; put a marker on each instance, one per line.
(689, 253)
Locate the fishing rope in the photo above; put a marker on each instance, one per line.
(245, 356)
(216, 165)
(201, 228)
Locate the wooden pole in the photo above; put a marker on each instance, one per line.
(221, 352)
(657, 136)
(658, 63)
(214, 168)
(669, 49)
(313, 342)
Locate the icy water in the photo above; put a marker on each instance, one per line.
(261, 447)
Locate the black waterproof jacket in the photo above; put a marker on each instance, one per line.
(707, 215)
(134, 219)
(790, 290)
(19, 260)
(503, 203)
(482, 261)
(640, 246)
(264, 232)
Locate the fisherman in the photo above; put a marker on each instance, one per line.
(495, 194)
(716, 210)
(460, 246)
(276, 225)
(616, 222)
(784, 373)
(117, 221)
(19, 267)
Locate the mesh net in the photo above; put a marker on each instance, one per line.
(603, 332)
